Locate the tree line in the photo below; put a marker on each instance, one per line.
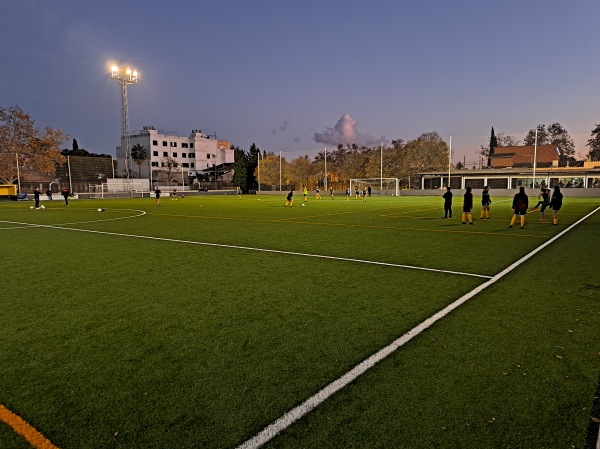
(38, 152)
(398, 159)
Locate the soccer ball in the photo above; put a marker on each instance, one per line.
(100, 210)
(43, 207)
(30, 207)
(303, 205)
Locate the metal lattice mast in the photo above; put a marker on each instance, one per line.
(125, 146)
(124, 78)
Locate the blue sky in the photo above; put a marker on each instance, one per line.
(284, 74)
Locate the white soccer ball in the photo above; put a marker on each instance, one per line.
(303, 205)
(99, 210)
(30, 207)
(43, 207)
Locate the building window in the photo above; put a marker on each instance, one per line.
(192, 145)
(155, 153)
(164, 143)
(155, 164)
(192, 165)
(155, 142)
(162, 164)
(184, 145)
(207, 155)
(183, 155)
(186, 165)
(174, 154)
(192, 155)
(165, 154)
(173, 144)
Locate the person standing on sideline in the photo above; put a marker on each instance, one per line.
(331, 192)
(157, 193)
(305, 192)
(519, 206)
(448, 203)
(485, 203)
(49, 194)
(369, 189)
(468, 207)
(65, 193)
(239, 192)
(556, 204)
(36, 197)
(289, 199)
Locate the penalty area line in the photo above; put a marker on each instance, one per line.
(23, 428)
(317, 399)
(249, 248)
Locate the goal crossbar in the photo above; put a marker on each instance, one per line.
(379, 186)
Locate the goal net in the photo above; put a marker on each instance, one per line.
(97, 191)
(379, 186)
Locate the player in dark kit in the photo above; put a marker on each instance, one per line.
(556, 204)
(544, 202)
(485, 203)
(467, 206)
(447, 203)
(157, 193)
(289, 199)
(65, 193)
(519, 206)
(36, 197)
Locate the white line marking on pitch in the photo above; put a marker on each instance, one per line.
(311, 403)
(249, 248)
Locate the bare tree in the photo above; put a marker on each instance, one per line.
(38, 151)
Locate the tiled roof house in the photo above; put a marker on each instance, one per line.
(504, 157)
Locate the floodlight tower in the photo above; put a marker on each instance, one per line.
(125, 77)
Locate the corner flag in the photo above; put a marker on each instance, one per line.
(558, 150)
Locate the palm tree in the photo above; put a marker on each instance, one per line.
(139, 155)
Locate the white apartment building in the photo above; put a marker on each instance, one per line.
(176, 156)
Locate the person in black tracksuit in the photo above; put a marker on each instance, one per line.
(447, 203)
(485, 203)
(467, 207)
(36, 197)
(65, 193)
(555, 204)
(544, 202)
(519, 206)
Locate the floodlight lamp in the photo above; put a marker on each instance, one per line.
(115, 71)
(128, 71)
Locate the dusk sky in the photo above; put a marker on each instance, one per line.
(300, 76)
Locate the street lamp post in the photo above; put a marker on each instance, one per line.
(215, 167)
(258, 158)
(125, 77)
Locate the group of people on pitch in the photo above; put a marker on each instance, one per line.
(520, 204)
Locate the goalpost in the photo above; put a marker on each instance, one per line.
(379, 186)
(96, 191)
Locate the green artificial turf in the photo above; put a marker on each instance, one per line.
(126, 330)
